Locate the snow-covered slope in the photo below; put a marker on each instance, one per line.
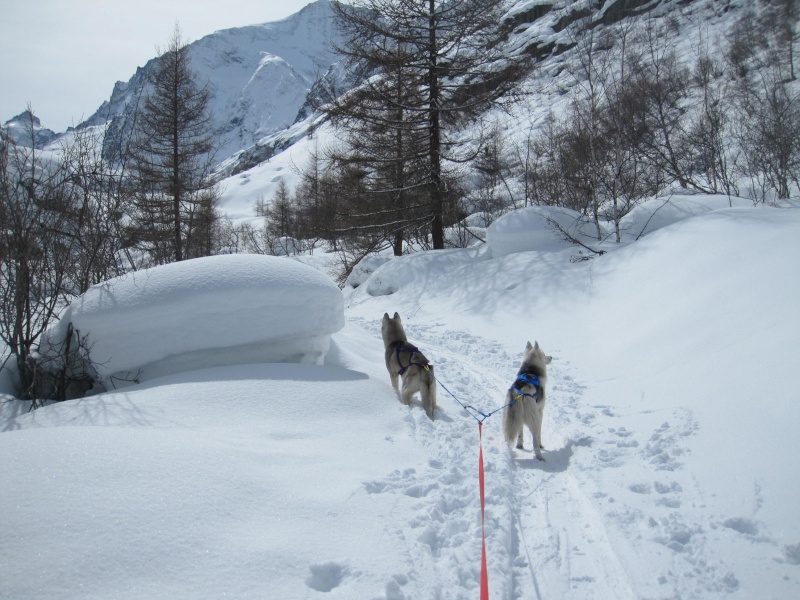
(537, 27)
(670, 436)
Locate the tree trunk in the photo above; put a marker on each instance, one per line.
(436, 196)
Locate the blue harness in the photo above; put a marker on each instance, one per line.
(526, 378)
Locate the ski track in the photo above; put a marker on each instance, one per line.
(562, 528)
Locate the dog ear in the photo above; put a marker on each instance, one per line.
(385, 316)
(528, 347)
(396, 316)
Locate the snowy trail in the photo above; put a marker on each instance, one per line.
(544, 538)
(442, 541)
(670, 441)
(534, 510)
(550, 533)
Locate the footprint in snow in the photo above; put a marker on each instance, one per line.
(326, 576)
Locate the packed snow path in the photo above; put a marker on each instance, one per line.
(550, 532)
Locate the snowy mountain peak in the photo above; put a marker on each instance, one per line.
(259, 76)
(21, 127)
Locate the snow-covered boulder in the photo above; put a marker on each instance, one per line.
(419, 270)
(220, 310)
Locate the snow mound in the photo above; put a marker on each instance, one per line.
(655, 214)
(534, 228)
(419, 269)
(548, 228)
(220, 310)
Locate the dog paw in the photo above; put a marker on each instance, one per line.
(539, 457)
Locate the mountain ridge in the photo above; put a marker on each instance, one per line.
(263, 77)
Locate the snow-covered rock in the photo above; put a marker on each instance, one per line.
(548, 228)
(220, 310)
(415, 270)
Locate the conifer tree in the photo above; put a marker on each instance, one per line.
(172, 154)
(436, 65)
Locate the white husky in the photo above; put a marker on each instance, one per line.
(525, 399)
(406, 361)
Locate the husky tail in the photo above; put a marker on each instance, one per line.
(427, 391)
(513, 420)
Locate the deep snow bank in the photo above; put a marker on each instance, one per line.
(220, 310)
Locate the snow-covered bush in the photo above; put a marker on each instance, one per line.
(364, 268)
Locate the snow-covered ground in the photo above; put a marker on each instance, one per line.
(670, 435)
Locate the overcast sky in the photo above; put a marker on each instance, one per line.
(64, 56)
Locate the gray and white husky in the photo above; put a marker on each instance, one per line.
(525, 399)
(406, 361)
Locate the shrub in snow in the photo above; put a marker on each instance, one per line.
(470, 231)
(286, 246)
(220, 310)
(61, 366)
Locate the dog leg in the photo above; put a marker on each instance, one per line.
(519, 442)
(406, 396)
(428, 393)
(395, 384)
(536, 430)
(539, 423)
(408, 389)
(427, 405)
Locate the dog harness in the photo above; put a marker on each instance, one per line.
(405, 346)
(529, 378)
